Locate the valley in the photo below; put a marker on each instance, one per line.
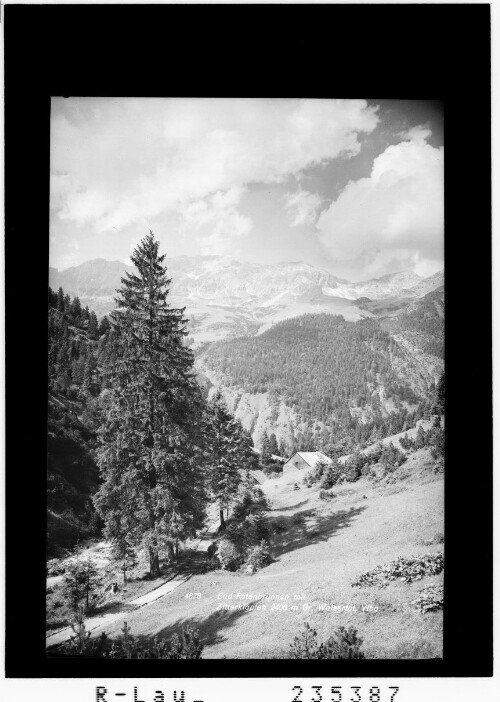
(314, 362)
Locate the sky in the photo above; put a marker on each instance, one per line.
(353, 186)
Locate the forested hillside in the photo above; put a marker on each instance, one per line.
(344, 384)
(317, 363)
(422, 323)
(338, 373)
(76, 346)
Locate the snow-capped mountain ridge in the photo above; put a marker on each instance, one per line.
(235, 297)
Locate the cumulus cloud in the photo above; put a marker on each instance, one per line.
(395, 217)
(301, 207)
(132, 160)
(216, 222)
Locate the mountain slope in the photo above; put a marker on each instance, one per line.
(421, 324)
(317, 373)
(320, 549)
(227, 298)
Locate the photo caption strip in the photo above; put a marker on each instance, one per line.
(263, 689)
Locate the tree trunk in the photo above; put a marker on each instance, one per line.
(170, 549)
(176, 550)
(222, 522)
(154, 563)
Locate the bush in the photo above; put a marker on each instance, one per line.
(258, 556)
(81, 581)
(279, 525)
(430, 599)
(438, 538)
(406, 569)
(252, 501)
(235, 534)
(344, 644)
(230, 557)
(55, 567)
(331, 475)
(255, 529)
(325, 495)
(392, 457)
(80, 644)
(185, 646)
(407, 443)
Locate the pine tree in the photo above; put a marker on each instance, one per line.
(123, 552)
(93, 325)
(60, 300)
(273, 445)
(104, 326)
(229, 449)
(80, 581)
(75, 309)
(149, 455)
(420, 440)
(266, 448)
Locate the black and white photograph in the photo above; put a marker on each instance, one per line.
(246, 378)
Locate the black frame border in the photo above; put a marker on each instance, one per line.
(416, 51)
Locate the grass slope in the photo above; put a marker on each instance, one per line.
(325, 546)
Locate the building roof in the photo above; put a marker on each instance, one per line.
(311, 457)
(259, 475)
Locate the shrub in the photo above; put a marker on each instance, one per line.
(80, 644)
(430, 599)
(353, 467)
(344, 644)
(252, 501)
(255, 529)
(325, 495)
(279, 525)
(259, 556)
(235, 534)
(331, 475)
(392, 457)
(259, 500)
(438, 538)
(402, 568)
(366, 469)
(185, 646)
(54, 567)
(229, 555)
(407, 443)
(80, 583)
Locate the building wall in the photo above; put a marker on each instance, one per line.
(295, 463)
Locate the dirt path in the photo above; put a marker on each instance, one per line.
(186, 571)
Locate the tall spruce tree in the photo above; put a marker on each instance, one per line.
(150, 456)
(229, 448)
(273, 445)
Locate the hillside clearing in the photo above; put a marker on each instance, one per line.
(324, 548)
